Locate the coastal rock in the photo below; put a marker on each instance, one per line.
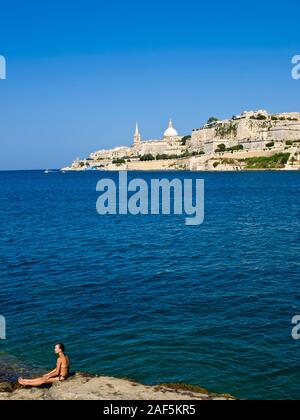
(87, 387)
(6, 387)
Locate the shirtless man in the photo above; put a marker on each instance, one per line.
(59, 374)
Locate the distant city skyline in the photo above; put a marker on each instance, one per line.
(79, 77)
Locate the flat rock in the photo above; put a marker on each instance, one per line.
(86, 387)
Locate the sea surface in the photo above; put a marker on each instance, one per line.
(147, 297)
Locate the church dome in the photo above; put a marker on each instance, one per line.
(171, 132)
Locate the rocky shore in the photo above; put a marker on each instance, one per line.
(86, 387)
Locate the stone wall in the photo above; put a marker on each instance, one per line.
(117, 153)
(153, 165)
(153, 148)
(251, 134)
(168, 146)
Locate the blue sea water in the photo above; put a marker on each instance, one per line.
(147, 297)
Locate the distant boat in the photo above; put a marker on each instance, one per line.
(47, 171)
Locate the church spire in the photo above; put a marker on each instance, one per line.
(137, 136)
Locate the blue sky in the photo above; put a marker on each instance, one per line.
(80, 74)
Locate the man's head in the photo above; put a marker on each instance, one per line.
(59, 348)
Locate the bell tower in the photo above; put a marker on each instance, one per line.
(137, 137)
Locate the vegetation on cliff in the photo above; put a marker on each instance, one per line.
(259, 117)
(227, 130)
(276, 161)
(147, 158)
(185, 139)
(212, 120)
(119, 162)
(222, 148)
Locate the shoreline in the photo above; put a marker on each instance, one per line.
(83, 386)
(180, 170)
(56, 170)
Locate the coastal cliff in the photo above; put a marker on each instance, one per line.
(86, 387)
(252, 140)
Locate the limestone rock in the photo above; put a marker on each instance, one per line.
(87, 387)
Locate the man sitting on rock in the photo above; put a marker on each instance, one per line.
(59, 374)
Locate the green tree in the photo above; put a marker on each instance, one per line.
(147, 158)
(212, 120)
(222, 148)
(119, 162)
(185, 139)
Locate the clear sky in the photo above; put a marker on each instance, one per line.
(81, 73)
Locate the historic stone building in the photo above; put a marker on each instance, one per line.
(251, 130)
(170, 144)
(249, 134)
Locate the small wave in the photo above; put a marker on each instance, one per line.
(160, 273)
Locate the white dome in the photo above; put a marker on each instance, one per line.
(171, 132)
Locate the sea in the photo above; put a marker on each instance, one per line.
(147, 297)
